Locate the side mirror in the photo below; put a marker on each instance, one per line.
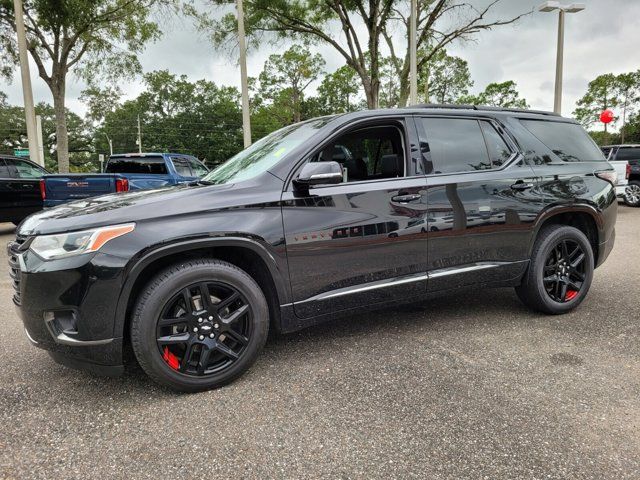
(319, 173)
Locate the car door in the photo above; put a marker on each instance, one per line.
(25, 185)
(362, 241)
(7, 193)
(482, 201)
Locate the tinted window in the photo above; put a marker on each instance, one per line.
(27, 170)
(197, 168)
(628, 154)
(568, 141)
(154, 165)
(182, 167)
(499, 152)
(367, 154)
(4, 170)
(455, 145)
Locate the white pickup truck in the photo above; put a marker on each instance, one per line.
(623, 169)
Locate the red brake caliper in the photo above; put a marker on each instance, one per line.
(571, 294)
(174, 362)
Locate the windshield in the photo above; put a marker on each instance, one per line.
(265, 153)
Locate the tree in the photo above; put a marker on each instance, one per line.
(363, 27)
(601, 94)
(13, 134)
(503, 94)
(443, 79)
(439, 23)
(100, 101)
(199, 118)
(285, 77)
(627, 89)
(85, 37)
(338, 90)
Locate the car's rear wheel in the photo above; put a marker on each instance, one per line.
(199, 325)
(632, 194)
(560, 271)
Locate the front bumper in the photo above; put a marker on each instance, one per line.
(67, 307)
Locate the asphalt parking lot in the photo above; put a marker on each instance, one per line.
(471, 386)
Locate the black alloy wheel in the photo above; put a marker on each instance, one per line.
(204, 328)
(564, 271)
(199, 324)
(560, 270)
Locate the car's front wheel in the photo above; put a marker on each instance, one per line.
(632, 194)
(199, 325)
(560, 271)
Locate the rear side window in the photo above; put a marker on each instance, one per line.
(182, 167)
(499, 152)
(628, 154)
(464, 145)
(27, 170)
(568, 141)
(4, 170)
(153, 165)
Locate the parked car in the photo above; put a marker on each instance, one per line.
(131, 171)
(19, 188)
(292, 232)
(631, 154)
(623, 169)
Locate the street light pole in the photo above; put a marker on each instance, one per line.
(27, 93)
(557, 99)
(413, 54)
(246, 117)
(562, 9)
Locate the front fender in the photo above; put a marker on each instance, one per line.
(137, 266)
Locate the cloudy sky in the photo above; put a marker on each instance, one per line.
(603, 38)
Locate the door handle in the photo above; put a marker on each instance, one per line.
(406, 198)
(521, 186)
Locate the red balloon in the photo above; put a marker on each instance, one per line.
(607, 116)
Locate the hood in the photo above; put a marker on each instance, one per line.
(141, 205)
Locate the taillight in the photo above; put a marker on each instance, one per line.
(610, 176)
(628, 172)
(122, 185)
(43, 190)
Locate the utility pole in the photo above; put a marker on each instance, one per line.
(139, 141)
(111, 143)
(413, 54)
(557, 97)
(40, 140)
(27, 93)
(246, 117)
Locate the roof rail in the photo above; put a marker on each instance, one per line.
(451, 106)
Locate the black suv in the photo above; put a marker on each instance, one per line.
(630, 153)
(323, 218)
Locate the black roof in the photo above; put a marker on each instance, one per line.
(486, 108)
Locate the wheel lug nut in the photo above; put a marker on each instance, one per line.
(201, 337)
(195, 329)
(216, 326)
(199, 320)
(210, 317)
(211, 335)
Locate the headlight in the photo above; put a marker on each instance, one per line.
(63, 245)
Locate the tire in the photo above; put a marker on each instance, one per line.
(632, 198)
(167, 293)
(539, 292)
